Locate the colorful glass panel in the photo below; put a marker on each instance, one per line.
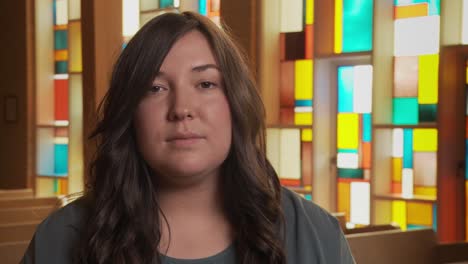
(353, 25)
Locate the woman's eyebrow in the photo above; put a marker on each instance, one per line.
(205, 67)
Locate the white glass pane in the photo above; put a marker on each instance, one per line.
(425, 168)
(360, 203)
(74, 9)
(348, 160)
(407, 183)
(273, 147)
(45, 151)
(397, 143)
(148, 4)
(290, 155)
(61, 15)
(130, 18)
(417, 36)
(291, 16)
(189, 5)
(362, 99)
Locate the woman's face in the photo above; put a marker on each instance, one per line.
(183, 124)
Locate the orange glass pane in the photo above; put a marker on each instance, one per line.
(366, 155)
(61, 55)
(60, 27)
(396, 187)
(415, 10)
(419, 214)
(309, 41)
(344, 195)
(290, 182)
(306, 163)
(287, 84)
(287, 115)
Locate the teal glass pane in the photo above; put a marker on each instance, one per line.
(56, 185)
(61, 159)
(434, 7)
(54, 11)
(366, 127)
(357, 25)
(347, 151)
(303, 103)
(308, 197)
(405, 111)
(166, 3)
(408, 148)
(61, 67)
(434, 217)
(60, 39)
(427, 112)
(414, 227)
(345, 89)
(202, 7)
(351, 173)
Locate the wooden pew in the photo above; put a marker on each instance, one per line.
(369, 228)
(12, 252)
(29, 202)
(24, 214)
(15, 232)
(17, 193)
(405, 247)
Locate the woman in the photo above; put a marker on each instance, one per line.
(180, 174)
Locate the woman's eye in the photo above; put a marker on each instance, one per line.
(206, 85)
(156, 89)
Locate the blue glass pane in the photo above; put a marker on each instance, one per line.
(345, 89)
(61, 159)
(60, 39)
(434, 217)
(367, 127)
(202, 8)
(303, 103)
(351, 173)
(61, 67)
(408, 148)
(405, 111)
(347, 151)
(56, 185)
(357, 25)
(54, 11)
(166, 3)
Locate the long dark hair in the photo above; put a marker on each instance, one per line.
(123, 216)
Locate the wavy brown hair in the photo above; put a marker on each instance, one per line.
(123, 217)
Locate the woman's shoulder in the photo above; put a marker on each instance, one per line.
(56, 237)
(313, 235)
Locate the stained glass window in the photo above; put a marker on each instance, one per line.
(354, 137)
(353, 25)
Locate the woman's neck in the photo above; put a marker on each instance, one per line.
(197, 225)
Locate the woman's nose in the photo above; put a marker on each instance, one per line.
(182, 106)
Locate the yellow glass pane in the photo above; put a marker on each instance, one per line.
(306, 135)
(425, 190)
(425, 140)
(399, 214)
(397, 169)
(74, 9)
(338, 26)
(419, 214)
(428, 79)
(344, 194)
(303, 118)
(44, 187)
(75, 47)
(309, 12)
(348, 131)
(303, 79)
(61, 55)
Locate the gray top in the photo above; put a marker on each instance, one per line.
(312, 236)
